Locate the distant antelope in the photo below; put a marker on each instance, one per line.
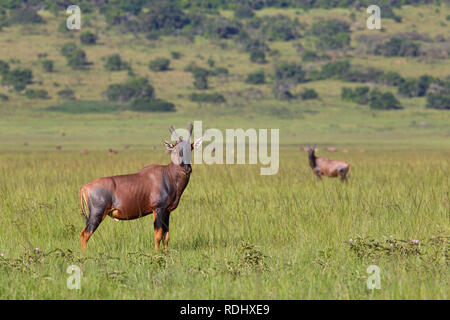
(330, 168)
(112, 151)
(155, 189)
(84, 151)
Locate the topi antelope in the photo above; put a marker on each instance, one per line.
(155, 189)
(330, 168)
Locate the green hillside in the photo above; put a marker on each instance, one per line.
(75, 100)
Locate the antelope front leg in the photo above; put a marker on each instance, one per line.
(161, 227)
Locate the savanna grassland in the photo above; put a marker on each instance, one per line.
(236, 234)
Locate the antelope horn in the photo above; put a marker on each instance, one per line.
(190, 127)
(173, 132)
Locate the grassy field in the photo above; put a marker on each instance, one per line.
(236, 234)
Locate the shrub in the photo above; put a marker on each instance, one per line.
(200, 78)
(25, 15)
(440, 102)
(162, 15)
(282, 89)
(335, 69)
(219, 71)
(280, 28)
(208, 97)
(309, 94)
(397, 47)
(147, 104)
(333, 42)
(361, 74)
(3, 97)
(115, 63)
(4, 68)
(257, 77)
(309, 56)
(159, 64)
(175, 55)
(329, 27)
(290, 71)
(416, 87)
(258, 57)
(359, 95)
(392, 79)
(68, 48)
(36, 94)
(47, 65)
(88, 38)
(243, 11)
(19, 78)
(80, 107)
(383, 101)
(77, 59)
(66, 94)
(133, 88)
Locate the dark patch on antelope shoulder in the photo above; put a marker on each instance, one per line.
(101, 198)
(165, 190)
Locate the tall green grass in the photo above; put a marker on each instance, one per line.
(235, 234)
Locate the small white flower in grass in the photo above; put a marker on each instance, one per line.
(248, 254)
(391, 245)
(2, 254)
(351, 240)
(415, 241)
(37, 250)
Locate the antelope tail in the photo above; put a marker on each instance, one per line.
(83, 202)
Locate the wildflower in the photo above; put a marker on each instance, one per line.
(391, 244)
(37, 250)
(415, 241)
(2, 254)
(351, 240)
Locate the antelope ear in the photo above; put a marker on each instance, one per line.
(197, 143)
(168, 144)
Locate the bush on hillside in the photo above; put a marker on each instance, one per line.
(147, 104)
(159, 64)
(440, 102)
(397, 47)
(258, 57)
(88, 38)
(133, 88)
(47, 65)
(115, 63)
(18, 78)
(4, 68)
(309, 94)
(208, 97)
(383, 101)
(243, 11)
(66, 94)
(290, 71)
(257, 77)
(26, 15)
(358, 95)
(391, 78)
(36, 94)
